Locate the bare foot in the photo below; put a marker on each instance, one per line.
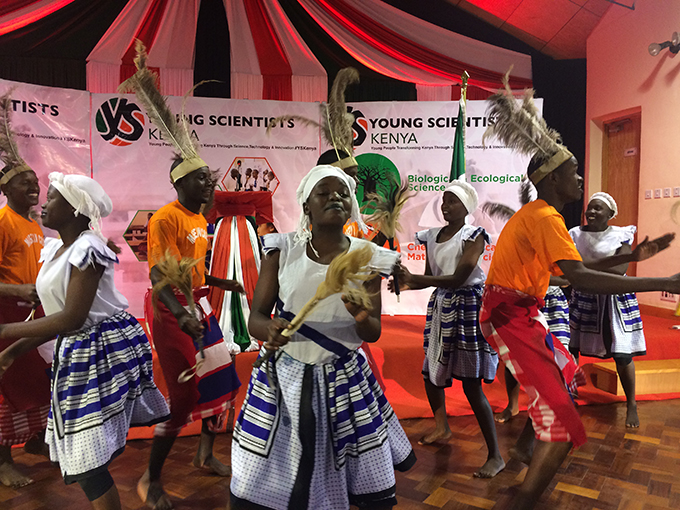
(213, 465)
(492, 467)
(438, 436)
(520, 455)
(152, 494)
(632, 420)
(505, 415)
(37, 446)
(10, 477)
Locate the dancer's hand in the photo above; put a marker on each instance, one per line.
(190, 325)
(26, 292)
(113, 246)
(404, 276)
(359, 313)
(231, 286)
(274, 337)
(647, 249)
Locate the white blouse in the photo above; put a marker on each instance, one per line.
(444, 257)
(596, 245)
(55, 275)
(299, 277)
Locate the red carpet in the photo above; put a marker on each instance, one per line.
(399, 356)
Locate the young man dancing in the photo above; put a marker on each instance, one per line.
(533, 246)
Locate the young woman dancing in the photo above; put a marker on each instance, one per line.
(454, 345)
(102, 381)
(322, 435)
(607, 326)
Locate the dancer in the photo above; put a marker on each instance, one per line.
(179, 230)
(607, 326)
(533, 245)
(25, 388)
(102, 373)
(322, 435)
(454, 346)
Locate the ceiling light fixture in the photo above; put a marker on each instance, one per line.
(673, 45)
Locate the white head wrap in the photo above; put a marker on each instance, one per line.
(303, 234)
(607, 199)
(466, 193)
(85, 195)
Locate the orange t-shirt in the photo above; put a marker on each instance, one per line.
(174, 227)
(528, 249)
(21, 241)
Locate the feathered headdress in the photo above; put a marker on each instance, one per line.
(144, 84)
(336, 121)
(519, 126)
(13, 163)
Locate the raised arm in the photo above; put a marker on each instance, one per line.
(597, 282)
(618, 263)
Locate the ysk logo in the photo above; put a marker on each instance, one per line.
(360, 126)
(120, 122)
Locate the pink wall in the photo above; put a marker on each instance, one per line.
(623, 76)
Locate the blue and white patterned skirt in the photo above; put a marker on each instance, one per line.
(102, 384)
(325, 437)
(454, 345)
(587, 321)
(556, 311)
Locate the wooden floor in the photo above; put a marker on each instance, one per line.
(616, 469)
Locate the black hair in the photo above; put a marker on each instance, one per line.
(331, 156)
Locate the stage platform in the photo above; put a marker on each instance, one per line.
(399, 357)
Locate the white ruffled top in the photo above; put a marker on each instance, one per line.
(444, 257)
(596, 245)
(299, 277)
(55, 274)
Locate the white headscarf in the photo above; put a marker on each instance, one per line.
(466, 193)
(303, 234)
(85, 195)
(607, 199)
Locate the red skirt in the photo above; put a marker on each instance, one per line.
(214, 387)
(514, 326)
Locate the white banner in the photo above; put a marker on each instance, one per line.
(72, 131)
(132, 162)
(414, 141)
(52, 127)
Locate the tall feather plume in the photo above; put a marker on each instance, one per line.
(9, 153)
(505, 212)
(497, 210)
(338, 131)
(386, 211)
(144, 83)
(525, 189)
(518, 124)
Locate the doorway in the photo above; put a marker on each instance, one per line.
(621, 168)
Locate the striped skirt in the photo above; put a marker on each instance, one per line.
(324, 438)
(556, 312)
(592, 313)
(102, 384)
(454, 345)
